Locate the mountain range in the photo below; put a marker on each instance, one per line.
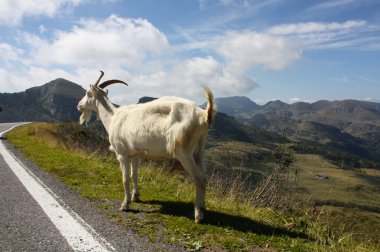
(335, 128)
(349, 125)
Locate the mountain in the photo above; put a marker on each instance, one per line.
(146, 99)
(237, 106)
(350, 126)
(227, 128)
(52, 102)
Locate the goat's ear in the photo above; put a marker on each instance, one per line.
(91, 88)
(106, 91)
(89, 93)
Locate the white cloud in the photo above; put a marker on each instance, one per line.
(16, 80)
(40, 75)
(187, 77)
(12, 12)
(314, 27)
(110, 1)
(238, 53)
(202, 4)
(12, 82)
(341, 79)
(296, 99)
(19, 79)
(218, 76)
(236, 8)
(226, 2)
(371, 99)
(319, 35)
(9, 53)
(114, 40)
(369, 80)
(333, 4)
(243, 50)
(137, 52)
(42, 29)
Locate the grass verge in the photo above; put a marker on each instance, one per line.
(166, 211)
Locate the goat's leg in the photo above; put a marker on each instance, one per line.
(199, 156)
(200, 194)
(135, 192)
(200, 181)
(125, 170)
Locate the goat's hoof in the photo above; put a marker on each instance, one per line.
(124, 207)
(136, 198)
(198, 215)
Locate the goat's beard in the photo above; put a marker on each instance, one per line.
(85, 117)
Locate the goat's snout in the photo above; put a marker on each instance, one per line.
(80, 107)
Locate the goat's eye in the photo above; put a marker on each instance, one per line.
(89, 94)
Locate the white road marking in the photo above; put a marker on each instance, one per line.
(80, 235)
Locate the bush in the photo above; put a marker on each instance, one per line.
(277, 189)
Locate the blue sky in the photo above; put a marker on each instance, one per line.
(290, 50)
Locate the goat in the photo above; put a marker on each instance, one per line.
(166, 128)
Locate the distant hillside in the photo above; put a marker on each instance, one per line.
(349, 125)
(237, 106)
(146, 99)
(52, 102)
(227, 128)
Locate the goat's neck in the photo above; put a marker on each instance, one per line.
(105, 111)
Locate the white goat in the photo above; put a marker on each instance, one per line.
(166, 128)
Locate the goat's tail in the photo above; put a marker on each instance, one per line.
(211, 107)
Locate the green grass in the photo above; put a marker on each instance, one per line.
(352, 186)
(351, 197)
(166, 211)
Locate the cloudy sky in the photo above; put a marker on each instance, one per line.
(290, 50)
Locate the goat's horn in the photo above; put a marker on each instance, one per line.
(101, 75)
(109, 82)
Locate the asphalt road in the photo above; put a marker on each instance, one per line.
(27, 225)
(23, 225)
